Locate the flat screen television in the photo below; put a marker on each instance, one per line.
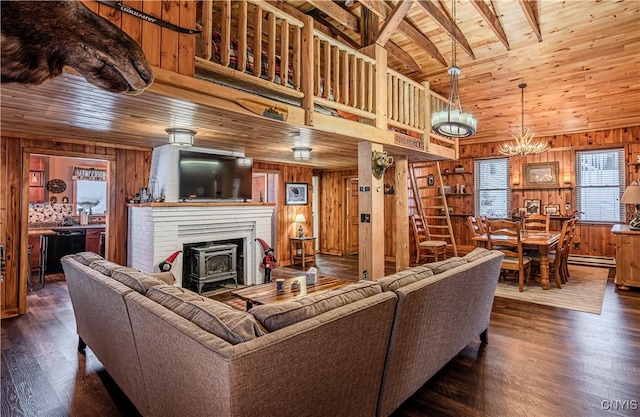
(214, 177)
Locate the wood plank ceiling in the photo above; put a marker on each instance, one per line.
(583, 75)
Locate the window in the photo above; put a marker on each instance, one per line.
(493, 195)
(600, 184)
(91, 190)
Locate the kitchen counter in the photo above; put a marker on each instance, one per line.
(37, 229)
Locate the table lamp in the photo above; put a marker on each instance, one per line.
(300, 220)
(632, 196)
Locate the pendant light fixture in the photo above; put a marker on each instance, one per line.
(524, 144)
(452, 121)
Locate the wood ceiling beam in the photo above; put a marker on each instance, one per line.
(402, 56)
(492, 20)
(336, 12)
(531, 12)
(413, 34)
(446, 24)
(393, 20)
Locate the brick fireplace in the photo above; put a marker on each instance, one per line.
(156, 230)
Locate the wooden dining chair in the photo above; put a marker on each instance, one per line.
(539, 222)
(424, 243)
(475, 227)
(510, 243)
(559, 256)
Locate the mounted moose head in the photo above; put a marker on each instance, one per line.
(38, 38)
(380, 161)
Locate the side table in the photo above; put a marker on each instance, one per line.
(304, 256)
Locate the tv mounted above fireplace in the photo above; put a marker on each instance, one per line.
(206, 176)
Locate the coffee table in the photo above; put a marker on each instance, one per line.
(267, 293)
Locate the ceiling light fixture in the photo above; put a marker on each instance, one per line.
(180, 137)
(452, 121)
(524, 144)
(301, 153)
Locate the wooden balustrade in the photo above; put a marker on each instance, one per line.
(406, 106)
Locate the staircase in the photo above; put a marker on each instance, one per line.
(431, 202)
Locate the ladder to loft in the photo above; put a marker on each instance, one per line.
(431, 202)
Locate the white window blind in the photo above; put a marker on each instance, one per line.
(600, 184)
(493, 195)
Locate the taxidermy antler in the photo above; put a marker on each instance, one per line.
(38, 38)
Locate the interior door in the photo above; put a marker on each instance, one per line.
(353, 216)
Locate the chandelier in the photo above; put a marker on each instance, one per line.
(524, 144)
(452, 121)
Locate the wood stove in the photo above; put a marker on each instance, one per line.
(213, 264)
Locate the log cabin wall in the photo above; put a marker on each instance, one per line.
(162, 47)
(594, 239)
(129, 170)
(285, 214)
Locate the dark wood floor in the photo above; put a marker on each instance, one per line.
(540, 361)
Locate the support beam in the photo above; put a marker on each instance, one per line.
(402, 56)
(369, 26)
(446, 24)
(401, 163)
(531, 12)
(337, 13)
(378, 53)
(382, 10)
(371, 206)
(492, 20)
(393, 20)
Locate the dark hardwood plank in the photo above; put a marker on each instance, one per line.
(540, 361)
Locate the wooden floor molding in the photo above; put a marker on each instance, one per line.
(540, 361)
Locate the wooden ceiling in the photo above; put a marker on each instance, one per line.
(583, 75)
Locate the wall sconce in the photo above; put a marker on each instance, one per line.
(180, 137)
(301, 154)
(566, 178)
(300, 220)
(515, 178)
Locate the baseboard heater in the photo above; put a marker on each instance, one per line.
(597, 261)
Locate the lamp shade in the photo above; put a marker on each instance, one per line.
(180, 137)
(301, 154)
(631, 194)
(300, 218)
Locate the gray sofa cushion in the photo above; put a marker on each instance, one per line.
(227, 323)
(277, 316)
(406, 277)
(170, 296)
(136, 280)
(166, 277)
(85, 258)
(476, 254)
(447, 264)
(105, 267)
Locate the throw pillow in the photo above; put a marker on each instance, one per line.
(136, 280)
(277, 316)
(447, 264)
(170, 296)
(227, 323)
(86, 258)
(406, 277)
(476, 254)
(166, 277)
(105, 267)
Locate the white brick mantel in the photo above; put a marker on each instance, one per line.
(156, 230)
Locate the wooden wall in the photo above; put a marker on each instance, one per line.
(285, 214)
(594, 239)
(129, 170)
(163, 48)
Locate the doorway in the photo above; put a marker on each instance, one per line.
(352, 216)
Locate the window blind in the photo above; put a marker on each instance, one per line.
(600, 184)
(493, 195)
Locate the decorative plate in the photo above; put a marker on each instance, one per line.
(56, 186)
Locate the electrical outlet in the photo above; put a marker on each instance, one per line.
(576, 245)
(365, 275)
(365, 218)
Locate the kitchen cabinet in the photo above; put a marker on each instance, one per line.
(92, 240)
(627, 263)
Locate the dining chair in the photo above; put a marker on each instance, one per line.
(538, 222)
(559, 256)
(510, 243)
(432, 248)
(475, 227)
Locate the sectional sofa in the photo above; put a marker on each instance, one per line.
(357, 351)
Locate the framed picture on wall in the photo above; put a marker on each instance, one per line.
(296, 193)
(552, 209)
(541, 175)
(532, 206)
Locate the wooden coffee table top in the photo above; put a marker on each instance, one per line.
(267, 294)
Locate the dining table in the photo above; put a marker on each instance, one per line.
(540, 240)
